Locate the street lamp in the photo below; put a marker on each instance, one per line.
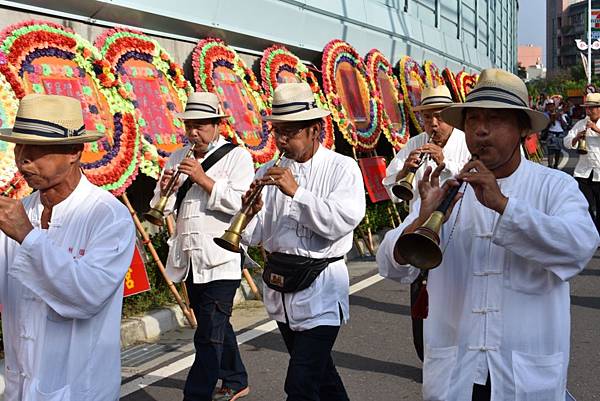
(581, 45)
(589, 46)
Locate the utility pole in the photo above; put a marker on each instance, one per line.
(589, 43)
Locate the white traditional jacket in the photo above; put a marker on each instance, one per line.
(202, 217)
(590, 162)
(456, 155)
(62, 292)
(499, 302)
(318, 222)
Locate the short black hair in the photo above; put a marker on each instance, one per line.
(523, 121)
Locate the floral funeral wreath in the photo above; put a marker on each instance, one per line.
(52, 59)
(279, 65)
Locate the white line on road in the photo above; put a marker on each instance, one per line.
(564, 160)
(178, 366)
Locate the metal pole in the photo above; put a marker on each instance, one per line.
(589, 43)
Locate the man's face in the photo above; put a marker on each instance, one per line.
(492, 134)
(201, 133)
(45, 166)
(593, 113)
(294, 138)
(436, 127)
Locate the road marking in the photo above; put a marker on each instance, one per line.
(564, 160)
(175, 367)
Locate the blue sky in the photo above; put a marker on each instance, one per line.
(532, 23)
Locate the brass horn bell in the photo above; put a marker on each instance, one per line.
(230, 240)
(404, 188)
(582, 146)
(156, 215)
(421, 248)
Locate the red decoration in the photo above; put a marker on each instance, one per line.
(351, 95)
(136, 279)
(279, 65)
(219, 69)
(389, 95)
(373, 171)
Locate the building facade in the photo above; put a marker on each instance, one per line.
(474, 34)
(567, 21)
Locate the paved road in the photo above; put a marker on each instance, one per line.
(374, 352)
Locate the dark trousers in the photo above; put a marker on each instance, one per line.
(311, 374)
(217, 353)
(554, 156)
(482, 393)
(591, 191)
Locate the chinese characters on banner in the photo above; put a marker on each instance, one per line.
(373, 171)
(149, 99)
(72, 88)
(136, 279)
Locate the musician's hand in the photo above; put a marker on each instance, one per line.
(164, 181)
(282, 178)
(194, 170)
(411, 162)
(485, 185)
(258, 204)
(432, 194)
(435, 152)
(592, 125)
(14, 221)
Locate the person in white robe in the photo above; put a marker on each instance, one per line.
(498, 326)
(439, 143)
(311, 203)
(205, 200)
(587, 169)
(64, 253)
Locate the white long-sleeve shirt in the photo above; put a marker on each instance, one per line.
(591, 161)
(499, 302)
(455, 153)
(203, 217)
(62, 292)
(318, 222)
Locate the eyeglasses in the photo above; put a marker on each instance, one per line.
(285, 132)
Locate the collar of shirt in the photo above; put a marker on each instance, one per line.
(58, 211)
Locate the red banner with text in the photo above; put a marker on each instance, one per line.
(136, 279)
(373, 171)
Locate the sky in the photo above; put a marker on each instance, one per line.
(532, 24)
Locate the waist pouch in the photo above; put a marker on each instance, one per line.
(291, 273)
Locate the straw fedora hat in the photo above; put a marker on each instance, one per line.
(295, 102)
(202, 106)
(49, 120)
(592, 100)
(435, 98)
(496, 89)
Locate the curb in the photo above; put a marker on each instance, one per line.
(149, 327)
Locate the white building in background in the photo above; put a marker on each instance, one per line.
(453, 33)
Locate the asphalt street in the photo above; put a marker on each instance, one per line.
(374, 352)
(375, 356)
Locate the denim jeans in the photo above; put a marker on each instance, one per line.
(311, 374)
(217, 353)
